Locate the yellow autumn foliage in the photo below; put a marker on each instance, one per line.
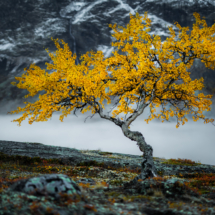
(73, 86)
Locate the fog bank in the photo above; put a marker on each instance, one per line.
(194, 140)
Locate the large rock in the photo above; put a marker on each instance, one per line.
(47, 184)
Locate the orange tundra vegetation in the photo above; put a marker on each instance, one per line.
(84, 86)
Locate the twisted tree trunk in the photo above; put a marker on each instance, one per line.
(148, 169)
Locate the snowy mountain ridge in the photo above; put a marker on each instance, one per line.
(26, 30)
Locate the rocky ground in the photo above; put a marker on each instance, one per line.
(59, 180)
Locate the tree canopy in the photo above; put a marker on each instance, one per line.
(143, 75)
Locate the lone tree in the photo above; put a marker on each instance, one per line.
(84, 85)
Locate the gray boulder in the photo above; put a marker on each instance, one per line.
(46, 185)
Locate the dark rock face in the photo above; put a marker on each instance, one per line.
(72, 156)
(67, 156)
(36, 149)
(27, 26)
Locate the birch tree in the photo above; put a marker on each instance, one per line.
(147, 74)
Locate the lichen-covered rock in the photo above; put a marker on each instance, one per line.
(47, 184)
(171, 188)
(175, 188)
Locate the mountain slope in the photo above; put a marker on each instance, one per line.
(27, 26)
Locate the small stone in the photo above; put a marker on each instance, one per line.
(86, 181)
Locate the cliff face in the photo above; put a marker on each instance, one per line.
(27, 26)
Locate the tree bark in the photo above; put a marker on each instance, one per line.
(148, 168)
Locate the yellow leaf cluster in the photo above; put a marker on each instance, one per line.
(146, 77)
